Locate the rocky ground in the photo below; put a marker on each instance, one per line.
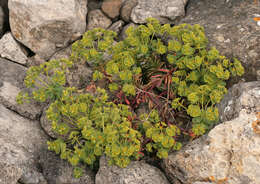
(34, 31)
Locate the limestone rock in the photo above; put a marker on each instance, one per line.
(135, 173)
(59, 171)
(229, 28)
(45, 26)
(240, 96)
(230, 152)
(164, 10)
(2, 18)
(34, 61)
(9, 173)
(94, 4)
(20, 142)
(127, 8)
(63, 53)
(11, 83)
(96, 18)
(12, 50)
(117, 26)
(111, 8)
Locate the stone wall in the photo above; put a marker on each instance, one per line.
(35, 31)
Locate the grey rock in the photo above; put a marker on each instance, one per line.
(233, 23)
(32, 177)
(258, 75)
(96, 18)
(59, 171)
(35, 60)
(135, 173)
(47, 25)
(79, 75)
(166, 11)
(2, 18)
(63, 53)
(11, 83)
(12, 50)
(229, 152)
(240, 96)
(127, 8)
(9, 173)
(94, 4)
(20, 142)
(111, 8)
(117, 26)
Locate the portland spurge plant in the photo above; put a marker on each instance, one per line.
(170, 69)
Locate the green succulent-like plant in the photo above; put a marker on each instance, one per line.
(169, 68)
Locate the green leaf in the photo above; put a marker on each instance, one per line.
(174, 45)
(149, 147)
(187, 50)
(162, 153)
(212, 114)
(97, 75)
(171, 130)
(175, 80)
(193, 76)
(193, 97)
(177, 146)
(129, 89)
(194, 110)
(77, 172)
(74, 160)
(216, 96)
(168, 142)
(199, 129)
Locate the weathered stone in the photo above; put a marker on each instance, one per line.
(230, 152)
(166, 11)
(63, 53)
(59, 171)
(94, 4)
(127, 8)
(135, 173)
(35, 61)
(9, 173)
(79, 75)
(117, 26)
(96, 18)
(32, 177)
(240, 96)
(111, 8)
(258, 75)
(229, 28)
(20, 142)
(47, 25)
(2, 18)
(12, 50)
(123, 35)
(11, 83)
